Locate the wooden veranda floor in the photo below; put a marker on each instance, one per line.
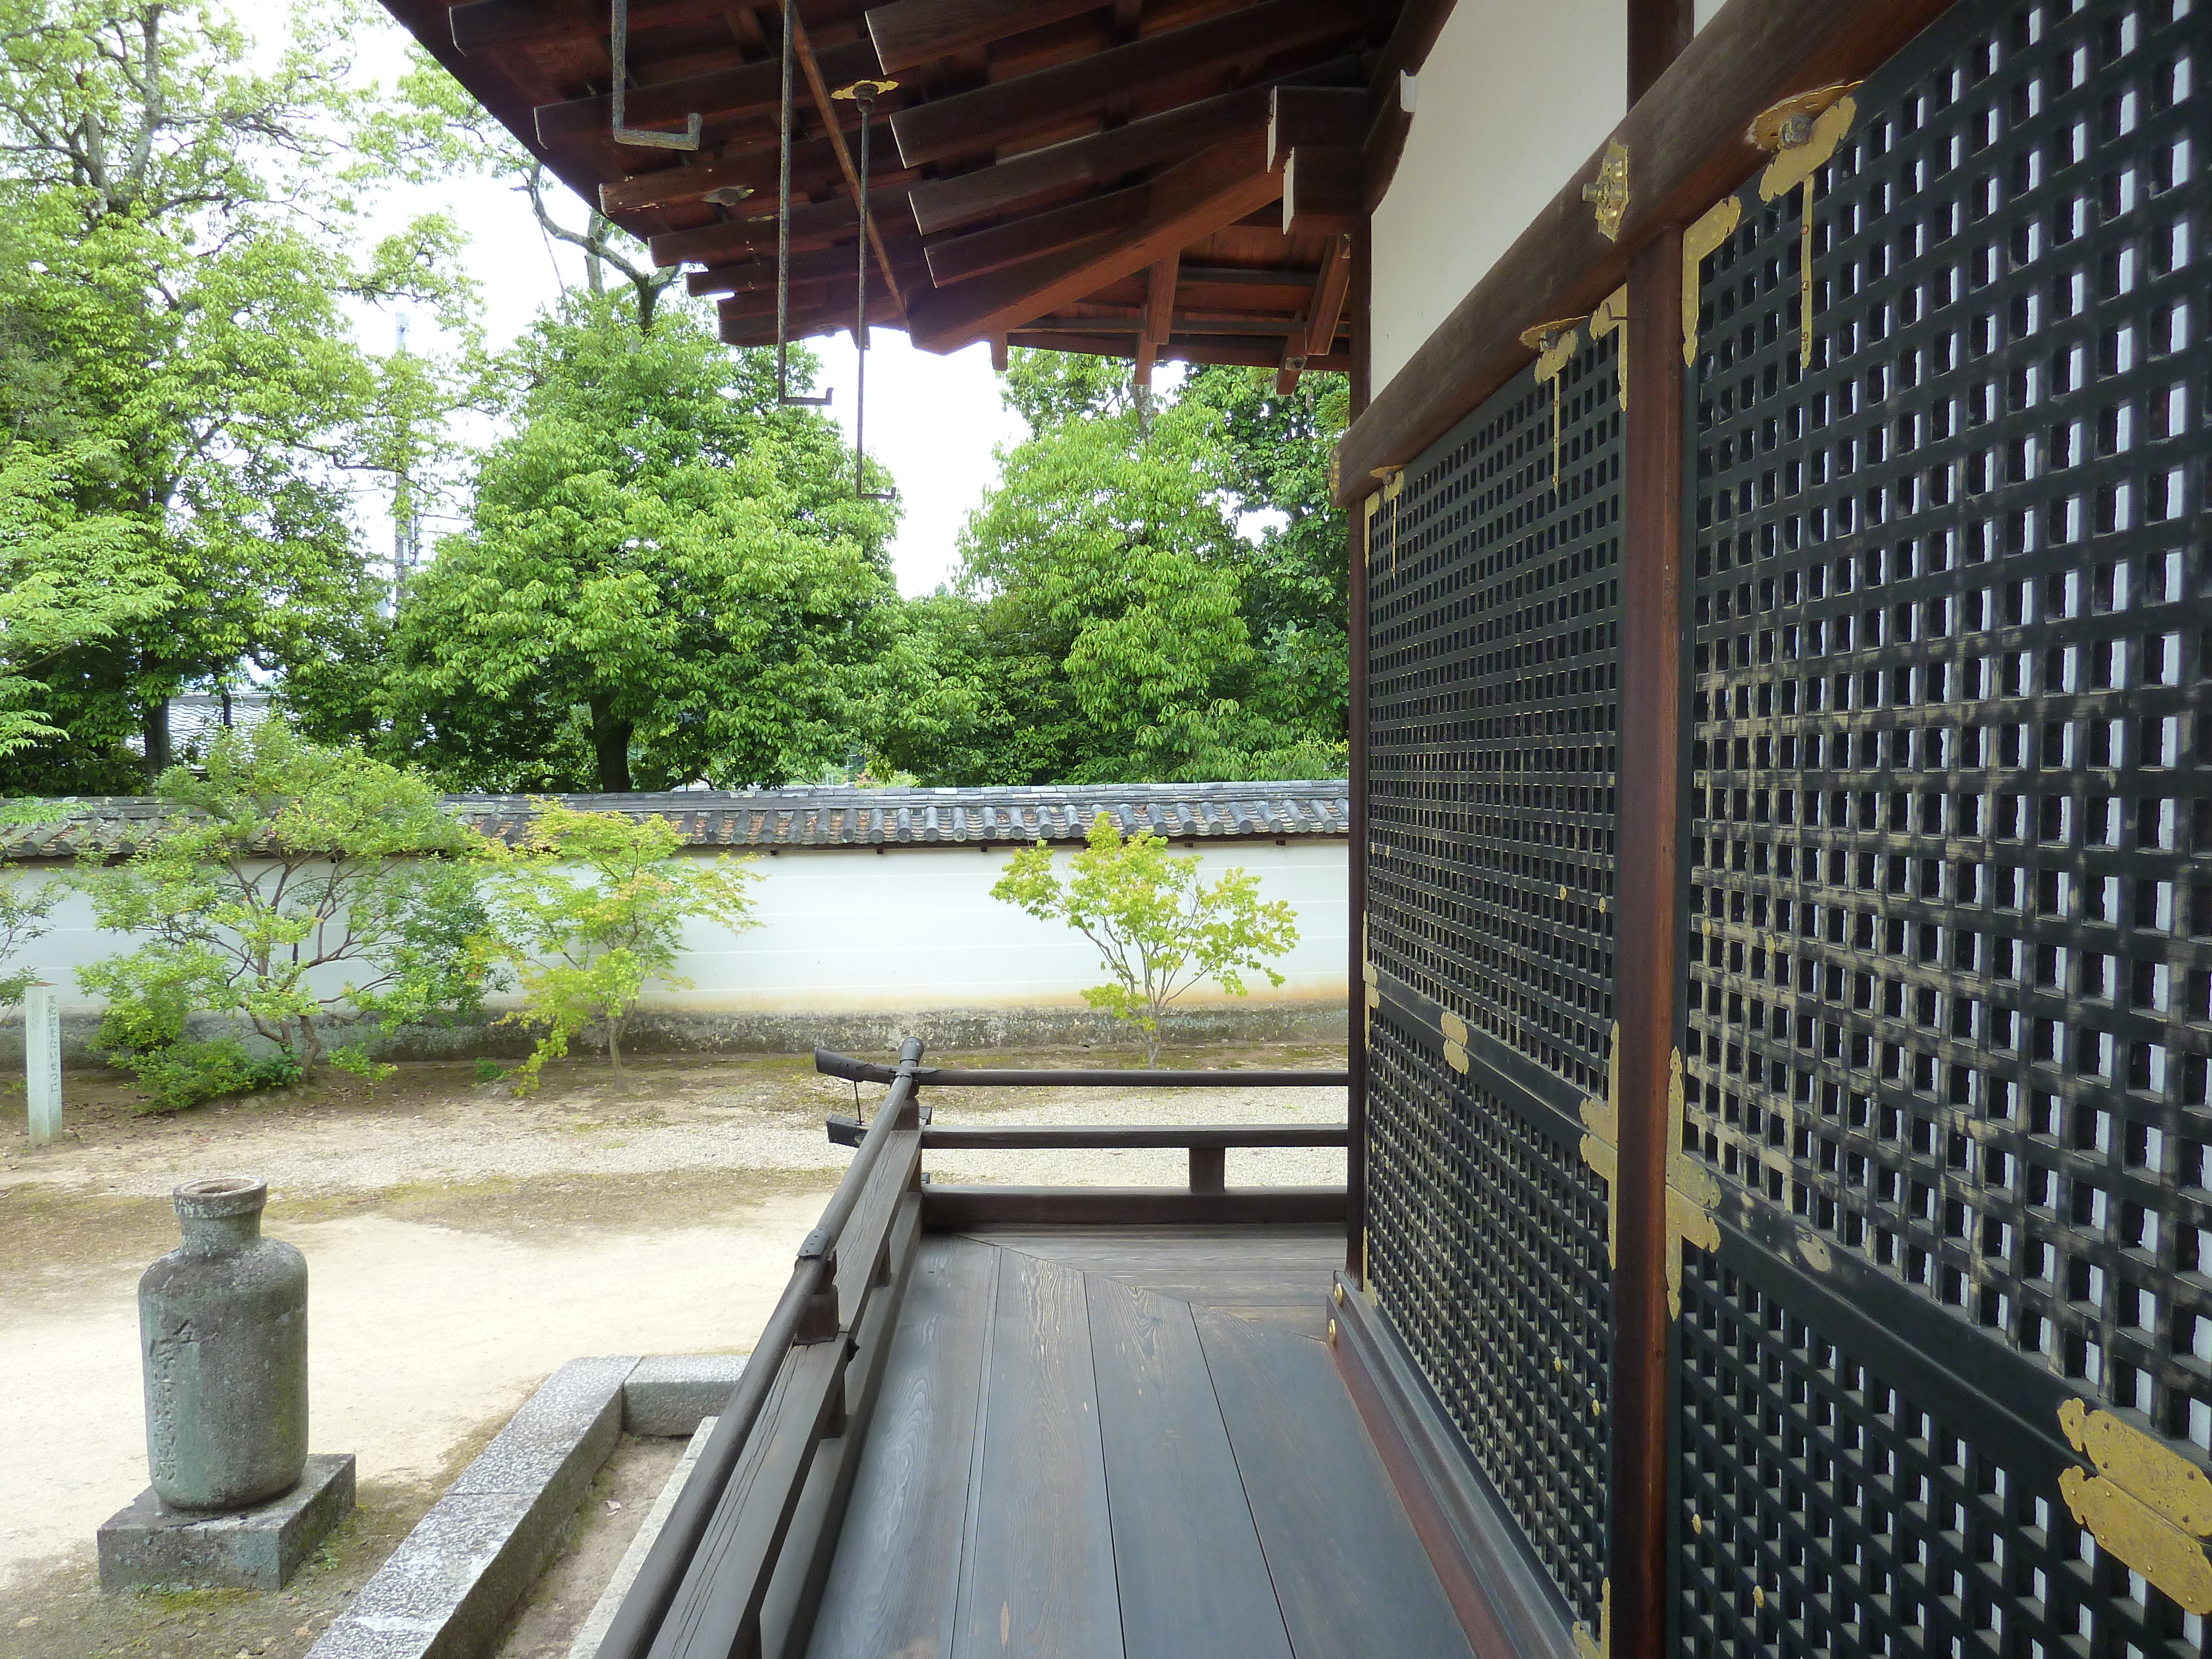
(1130, 1443)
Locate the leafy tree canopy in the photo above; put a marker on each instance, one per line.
(668, 577)
(1117, 618)
(176, 217)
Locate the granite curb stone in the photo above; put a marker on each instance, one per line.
(668, 1393)
(448, 1589)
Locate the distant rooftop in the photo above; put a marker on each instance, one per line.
(842, 815)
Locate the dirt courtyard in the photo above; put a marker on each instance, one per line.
(462, 1244)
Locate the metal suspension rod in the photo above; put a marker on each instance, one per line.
(863, 95)
(783, 393)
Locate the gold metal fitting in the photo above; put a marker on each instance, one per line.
(875, 89)
(1609, 192)
(1788, 124)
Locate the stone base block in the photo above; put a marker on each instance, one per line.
(259, 1548)
(668, 1393)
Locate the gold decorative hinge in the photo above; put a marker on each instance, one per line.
(2146, 1503)
(1394, 481)
(1455, 1043)
(1801, 134)
(1611, 318)
(1554, 343)
(1597, 1643)
(1608, 193)
(1716, 226)
(1373, 992)
(1692, 1193)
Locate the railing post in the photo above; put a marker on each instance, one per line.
(1209, 1169)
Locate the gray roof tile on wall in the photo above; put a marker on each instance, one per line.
(834, 816)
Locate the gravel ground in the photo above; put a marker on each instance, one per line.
(462, 1244)
(763, 1114)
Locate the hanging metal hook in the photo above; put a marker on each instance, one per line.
(783, 393)
(624, 133)
(863, 95)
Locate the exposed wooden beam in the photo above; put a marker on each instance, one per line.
(1321, 192)
(815, 265)
(1412, 37)
(910, 32)
(1246, 277)
(1159, 298)
(811, 225)
(1330, 290)
(1200, 350)
(746, 329)
(955, 258)
(753, 87)
(946, 203)
(482, 25)
(1385, 142)
(1006, 110)
(1686, 137)
(863, 199)
(1197, 196)
(1332, 116)
(813, 164)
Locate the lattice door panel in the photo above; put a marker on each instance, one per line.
(1951, 894)
(1493, 650)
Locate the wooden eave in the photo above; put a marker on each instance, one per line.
(1043, 175)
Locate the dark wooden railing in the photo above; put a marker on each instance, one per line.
(1206, 1199)
(738, 1566)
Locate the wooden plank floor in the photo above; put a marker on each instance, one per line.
(1125, 1444)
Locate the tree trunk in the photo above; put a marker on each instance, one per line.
(610, 744)
(157, 738)
(613, 1048)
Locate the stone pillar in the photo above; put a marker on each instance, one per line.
(42, 1062)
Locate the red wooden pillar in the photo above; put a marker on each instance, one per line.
(1355, 1105)
(1646, 970)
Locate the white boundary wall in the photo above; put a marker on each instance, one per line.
(850, 929)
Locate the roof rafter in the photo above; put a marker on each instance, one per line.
(1005, 110)
(1192, 199)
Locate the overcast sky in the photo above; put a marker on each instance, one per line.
(932, 420)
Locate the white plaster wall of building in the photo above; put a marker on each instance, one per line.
(1513, 101)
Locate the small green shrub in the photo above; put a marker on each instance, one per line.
(356, 1061)
(488, 1070)
(179, 1075)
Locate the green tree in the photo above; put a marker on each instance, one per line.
(68, 580)
(667, 577)
(1158, 930)
(1296, 569)
(1111, 630)
(291, 884)
(590, 907)
(174, 249)
(24, 909)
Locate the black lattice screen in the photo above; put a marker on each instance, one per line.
(1492, 1268)
(1951, 906)
(1493, 601)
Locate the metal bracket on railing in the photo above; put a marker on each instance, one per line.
(618, 50)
